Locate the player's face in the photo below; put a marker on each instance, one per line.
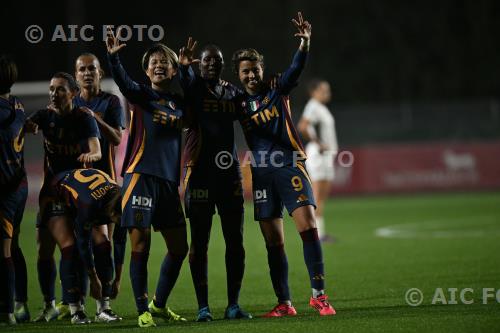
(250, 74)
(323, 93)
(160, 69)
(88, 72)
(211, 64)
(60, 94)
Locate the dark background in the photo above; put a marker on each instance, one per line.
(400, 70)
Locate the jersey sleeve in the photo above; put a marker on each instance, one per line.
(290, 77)
(186, 77)
(91, 130)
(115, 116)
(39, 118)
(128, 87)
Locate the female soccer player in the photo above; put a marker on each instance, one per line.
(279, 176)
(71, 141)
(322, 147)
(13, 275)
(210, 134)
(106, 109)
(151, 175)
(92, 199)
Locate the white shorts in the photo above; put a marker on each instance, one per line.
(319, 166)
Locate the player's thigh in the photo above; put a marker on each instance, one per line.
(138, 200)
(45, 242)
(304, 218)
(176, 240)
(100, 234)
(266, 199)
(199, 198)
(11, 209)
(294, 187)
(167, 208)
(61, 229)
(140, 239)
(272, 230)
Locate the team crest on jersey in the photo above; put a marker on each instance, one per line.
(138, 217)
(244, 104)
(302, 198)
(266, 100)
(254, 105)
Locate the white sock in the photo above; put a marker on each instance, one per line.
(74, 307)
(50, 304)
(317, 293)
(320, 224)
(19, 305)
(102, 304)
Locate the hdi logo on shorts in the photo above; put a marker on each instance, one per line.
(142, 201)
(199, 194)
(260, 194)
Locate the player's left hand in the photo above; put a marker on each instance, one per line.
(87, 158)
(86, 110)
(303, 27)
(95, 288)
(186, 53)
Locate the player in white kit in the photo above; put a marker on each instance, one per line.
(317, 125)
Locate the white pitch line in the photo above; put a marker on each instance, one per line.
(477, 227)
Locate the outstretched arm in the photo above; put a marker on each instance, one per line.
(290, 77)
(128, 87)
(112, 134)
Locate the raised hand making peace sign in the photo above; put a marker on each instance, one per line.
(186, 53)
(303, 27)
(113, 42)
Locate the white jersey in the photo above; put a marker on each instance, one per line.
(319, 116)
(320, 165)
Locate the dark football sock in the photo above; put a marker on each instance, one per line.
(104, 266)
(47, 278)
(169, 272)
(278, 267)
(21, 275)
(139, 279)
(313, 257)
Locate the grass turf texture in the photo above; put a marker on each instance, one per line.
(451, 241)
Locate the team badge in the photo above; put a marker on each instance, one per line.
(244, 104)
(138, 217)
(302, 198)
(254, 105)
(266, 100)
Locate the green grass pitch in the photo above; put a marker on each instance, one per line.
(435, 241)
